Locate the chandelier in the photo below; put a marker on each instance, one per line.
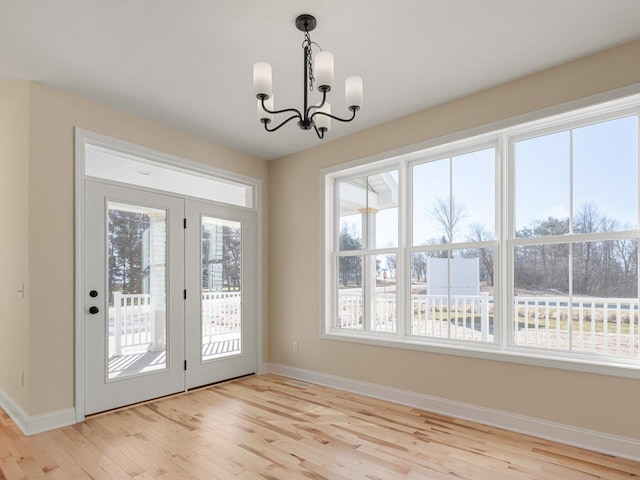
(320, 73)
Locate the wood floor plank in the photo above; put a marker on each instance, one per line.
(262, 428)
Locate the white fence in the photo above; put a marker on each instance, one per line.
(350, 312)
(462, 318)
(130, 322)
(607, 326)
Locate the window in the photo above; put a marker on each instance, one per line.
(367, 239)
(575, 251)
(451, 261)
(518, 245)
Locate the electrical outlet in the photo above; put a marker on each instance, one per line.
(295, 346)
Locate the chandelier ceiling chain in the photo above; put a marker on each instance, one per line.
(320, 72)
(306, 45)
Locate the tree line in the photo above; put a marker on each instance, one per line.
(598, 268)
(128, 251)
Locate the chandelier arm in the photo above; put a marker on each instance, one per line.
(320, 133)
(297, 115)
(345, 120)
(275, 112)
(320, 105)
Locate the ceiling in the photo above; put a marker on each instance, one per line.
(188, 63)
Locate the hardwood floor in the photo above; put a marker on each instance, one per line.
(263, 428)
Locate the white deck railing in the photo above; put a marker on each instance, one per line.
(466, 318)
(220, 313)
(130, 322)
(607, 326)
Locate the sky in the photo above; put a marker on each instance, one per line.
(597, 163)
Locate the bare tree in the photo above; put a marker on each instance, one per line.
(448, 214)
(478, 233)
(587, 220)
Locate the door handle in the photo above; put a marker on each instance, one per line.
(93, 310)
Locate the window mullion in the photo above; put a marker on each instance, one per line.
(506, 173)
(403, 211)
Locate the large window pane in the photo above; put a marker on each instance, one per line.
(429, 293)
(472, 205)
(454, 199)
(452, 294)
(384, 295)
(383, 210)
(541, 296)
(542, 185)
(350, 294)
(472, 294)
(369, 212)
(605, 297)
(605, 176)
(353, 200)
(431, 202)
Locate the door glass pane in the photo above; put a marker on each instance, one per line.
(221, 288)
(137, 253)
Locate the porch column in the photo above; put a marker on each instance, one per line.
(157, 280)
(369, 233)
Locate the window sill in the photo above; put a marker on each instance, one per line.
(523, 356)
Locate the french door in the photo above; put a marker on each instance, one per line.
(221, 267)
(170, 294)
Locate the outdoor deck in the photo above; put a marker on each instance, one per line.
(143, 362)
(131, 332)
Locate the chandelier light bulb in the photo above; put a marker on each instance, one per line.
(324, 69)
(353, 92)
(322, 121)
(262, 79)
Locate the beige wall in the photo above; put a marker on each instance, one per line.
(601, 403)
(14, 240)
(53, 116)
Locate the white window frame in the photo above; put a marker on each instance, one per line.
(502, 135)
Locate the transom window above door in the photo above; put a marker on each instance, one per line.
(109, 164)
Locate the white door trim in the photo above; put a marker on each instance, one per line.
(83, 137)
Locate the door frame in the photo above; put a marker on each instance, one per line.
(83, 137)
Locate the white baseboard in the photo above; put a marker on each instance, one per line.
(49, 421)
(578, 437)
(17, 414)
(37, 423)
